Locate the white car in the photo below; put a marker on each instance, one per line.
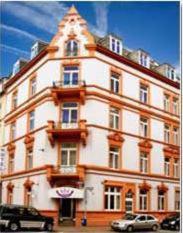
(135, 222)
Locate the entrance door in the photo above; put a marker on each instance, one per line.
(67, 209)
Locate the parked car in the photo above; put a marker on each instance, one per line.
(133, 222)
(16, 217)
(171, 222)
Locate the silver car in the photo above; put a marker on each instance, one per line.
(135, 222)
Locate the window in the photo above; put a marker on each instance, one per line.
(143, 93)
(11, 163)
(69, 115)
(34, 50)
(175, 106)
(115, 45)
(28, 196)
(14, 100)
(177, 200)
(167, 166)
(129, 202)
(70, 77)
(167, 133)
(142, 218)
(143, 59)
(143, 200)
(9, 196)
(32, 120)
(13, 131)
(115, 83)
(29, 159)
(175, 135)
(71, 48)
(112, 198)
(16, 67)
(143, 127)
(176, 168)
(32, 86)
(166, 102)
(114, 118)
(114, 157)
(170, 73)
(68, 154)
(161, 200)
(143, 162)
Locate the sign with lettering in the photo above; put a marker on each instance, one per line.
(66, 192)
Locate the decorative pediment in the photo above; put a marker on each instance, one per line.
(145, 186)
(28, 183)
(11, 148)
(171, 151)
(29, 141)
(145, 145)
(115, 139)
(10, 186)
(162, 187)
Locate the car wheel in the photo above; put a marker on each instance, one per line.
(49, 227)
(129, 228)
(13, 226)
(154, 227)
(177, 228)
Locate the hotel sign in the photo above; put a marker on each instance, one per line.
(66, 192)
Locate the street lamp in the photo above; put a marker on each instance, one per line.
(84, 219)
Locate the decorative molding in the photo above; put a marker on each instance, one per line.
(145, 186)
(115, 139)
(162, 187)
(29, 141)
(145, 145)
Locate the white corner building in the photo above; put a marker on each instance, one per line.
(91, 129)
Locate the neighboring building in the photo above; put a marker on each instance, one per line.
(2, 114)
(90, 122)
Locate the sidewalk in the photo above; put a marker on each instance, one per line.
(82, 229)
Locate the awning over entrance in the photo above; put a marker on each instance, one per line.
(66, 192)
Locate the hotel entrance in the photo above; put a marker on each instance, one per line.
(67, 209)
(66, 198)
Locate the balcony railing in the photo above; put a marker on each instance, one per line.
(65, 169)
(69, 84)
(66, 125)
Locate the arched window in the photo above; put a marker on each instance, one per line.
(71, 48)
(129, 202)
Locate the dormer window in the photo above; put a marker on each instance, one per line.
(170, 73)
(16, 67)
(144, 59)
(34, 50)
(72, 48)
(115, 45)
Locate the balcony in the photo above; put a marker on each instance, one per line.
(67, 132)
(66, 174)
(74, 91)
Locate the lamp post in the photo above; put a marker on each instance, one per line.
(86, 189)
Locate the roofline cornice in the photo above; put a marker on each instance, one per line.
(136, 66)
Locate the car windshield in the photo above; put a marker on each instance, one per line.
(130, 216)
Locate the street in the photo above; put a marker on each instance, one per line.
(101, 230)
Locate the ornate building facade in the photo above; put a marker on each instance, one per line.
(91, 129)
